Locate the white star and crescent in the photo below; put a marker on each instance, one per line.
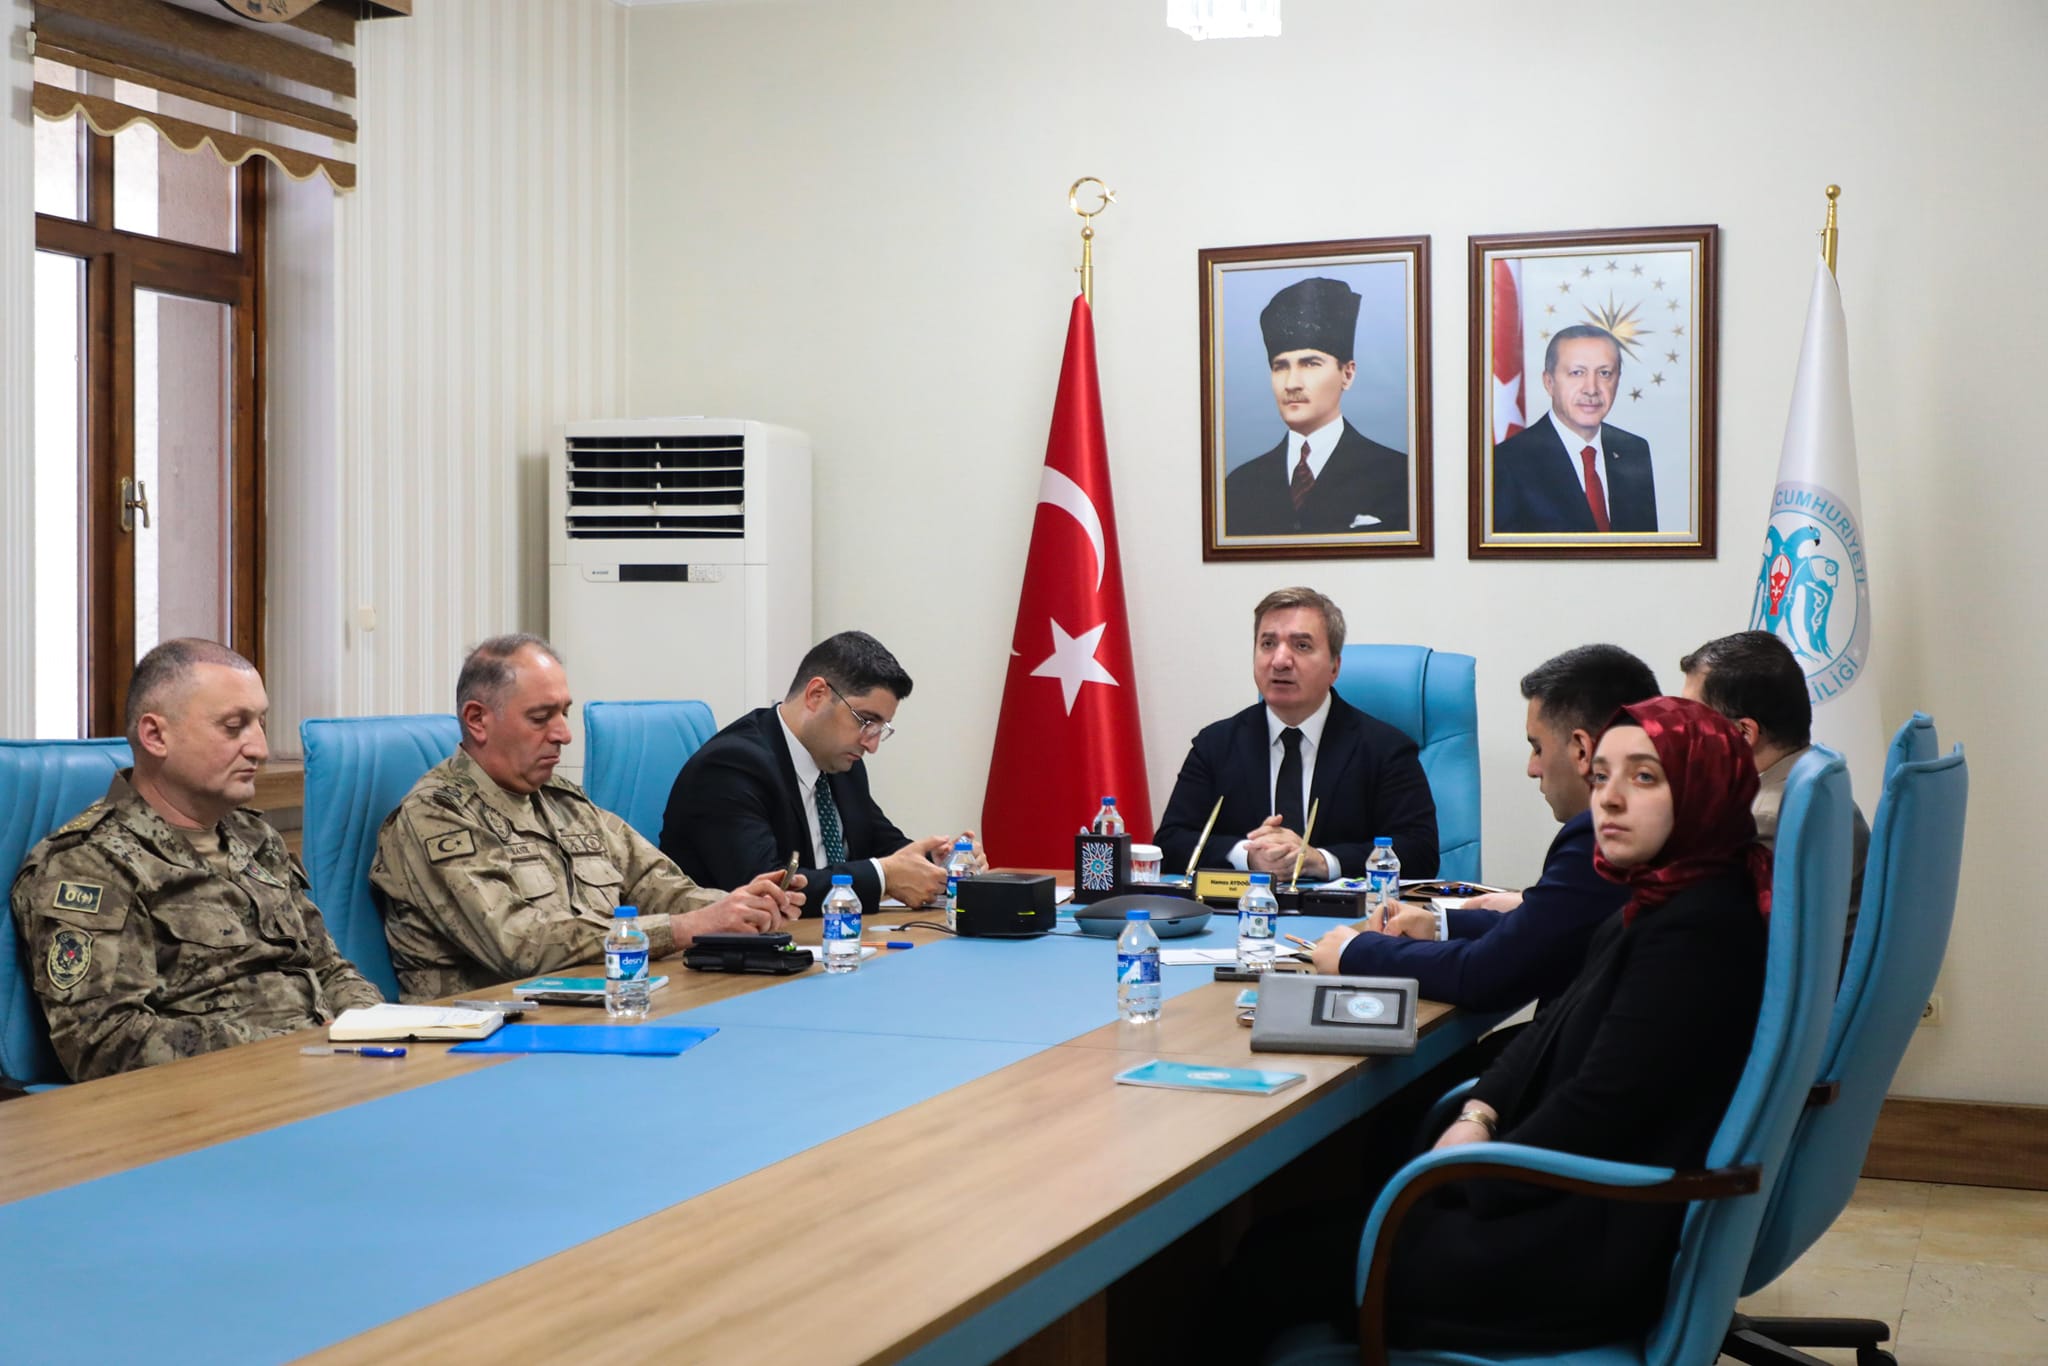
(1073, 662)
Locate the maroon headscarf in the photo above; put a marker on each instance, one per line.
(1713, 782)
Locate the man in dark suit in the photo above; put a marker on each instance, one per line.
(1301, 744)
(1571, 470)
(791, 778)
(1504, 949)
(1324, 476)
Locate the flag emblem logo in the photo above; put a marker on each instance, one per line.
(1811, 588)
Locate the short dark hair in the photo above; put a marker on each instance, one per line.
(1583, 687)
(487, 670)
(1580, 332)
(854, 662)
(1283, 599)
(1754, 674)
(159, 674)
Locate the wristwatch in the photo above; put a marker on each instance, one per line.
(1472, 1114)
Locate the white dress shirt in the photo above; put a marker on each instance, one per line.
(1311, 743)
(1321, 443)
(807, 776)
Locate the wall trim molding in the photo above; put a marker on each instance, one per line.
(1960, 1142)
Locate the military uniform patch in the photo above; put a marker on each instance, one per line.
(441, 848)
(70, 957)
(495, 822)
(581, 844)
(82, 819)
(523, 850)
(83, 897)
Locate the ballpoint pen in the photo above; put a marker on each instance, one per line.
(323, 1050)
(1294, 882)
(1203, 842)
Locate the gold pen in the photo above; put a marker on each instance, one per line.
(1294, 882)
(1203, 842)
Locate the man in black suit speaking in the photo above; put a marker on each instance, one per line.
(1302, 744)
(1571, 470)
(1324, 476)
(791, 778)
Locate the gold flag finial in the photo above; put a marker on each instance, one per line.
(1827, 234)
(1088, 229)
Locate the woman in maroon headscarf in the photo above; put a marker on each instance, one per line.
(1635, 1063)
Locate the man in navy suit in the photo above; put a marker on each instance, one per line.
(1302, 744)
(1324, 476)
(792, 778)
(1504, 949)
(1571, 470)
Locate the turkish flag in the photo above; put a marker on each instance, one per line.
(1068, 734)
(1510, 406)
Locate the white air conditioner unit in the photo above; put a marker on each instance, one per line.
(679, 562)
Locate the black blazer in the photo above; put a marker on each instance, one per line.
(1635, 1063)
(736, 813)
(1361, 478)
(1368, 778)
(1503, 961)
(1536, 484)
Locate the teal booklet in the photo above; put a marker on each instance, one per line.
(646, 1041)
(1182, 1076)
(575, 986)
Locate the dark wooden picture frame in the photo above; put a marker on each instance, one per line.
(1654, 293)
(1369, 494)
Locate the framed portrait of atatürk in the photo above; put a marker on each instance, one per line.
(1592, 389)
(1315, 400)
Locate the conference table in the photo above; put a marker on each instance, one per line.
(924, 1161)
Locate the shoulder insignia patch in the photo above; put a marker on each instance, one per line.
(495, 822)
(581, 844)
(83, 897)
(70, 957)
(450, 797)
(90, 815)
(455, 844)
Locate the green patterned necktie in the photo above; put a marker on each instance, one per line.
(828, 823)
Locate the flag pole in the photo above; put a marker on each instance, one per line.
(1827, 234)
(1088, 229)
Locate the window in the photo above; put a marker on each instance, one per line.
(149, 393)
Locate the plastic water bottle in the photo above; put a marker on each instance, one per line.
(1109, 820)
(842, 925)
(1382, 876)
(1255, 912)
(1137, 969)
(625, 966)
(959, 866)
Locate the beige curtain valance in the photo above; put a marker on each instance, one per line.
(108, 117)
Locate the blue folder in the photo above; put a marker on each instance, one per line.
(646, 1041)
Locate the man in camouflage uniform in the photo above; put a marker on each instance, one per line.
(492, 868)
(163, 921)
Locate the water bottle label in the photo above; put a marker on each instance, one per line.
(1381, 882)
(842, 925)
(1255, 923)
(625, 965)
(952, 890)
(1137, 969)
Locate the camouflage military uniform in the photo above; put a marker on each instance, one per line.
(482, 886)
(146, 946)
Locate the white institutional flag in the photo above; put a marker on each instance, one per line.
(1813, 587)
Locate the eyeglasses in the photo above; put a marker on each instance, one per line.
(871, 727)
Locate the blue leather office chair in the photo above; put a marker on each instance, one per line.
(1430, 695)
(43, 783)
(358, 769)
(1913, 743)
(636, 750)
(1909, 898)
(1810, 896)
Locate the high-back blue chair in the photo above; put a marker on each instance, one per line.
(636, 750)
(358, 769)
(1909, 898)
(1809, 904)
(1431, 697)
(43, 783)
(1913, 743)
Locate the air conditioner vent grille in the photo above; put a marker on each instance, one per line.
(631, 488)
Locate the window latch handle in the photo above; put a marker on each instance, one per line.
(134, 499)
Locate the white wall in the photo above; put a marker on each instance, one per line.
(17, 378)
(479, 311)
(851, 219)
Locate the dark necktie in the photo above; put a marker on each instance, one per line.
(828, 823)
(1596, 497)
(1287, 788)
(1304, 480)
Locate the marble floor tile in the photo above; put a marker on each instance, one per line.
(1975, 1309)
(1982, 1226)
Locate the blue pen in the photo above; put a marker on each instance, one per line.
(893, 944)
(323, 1050)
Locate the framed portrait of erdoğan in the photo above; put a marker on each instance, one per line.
(1592, 387)
(1315, 400)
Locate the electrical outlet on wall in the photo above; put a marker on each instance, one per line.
(1930, 1014)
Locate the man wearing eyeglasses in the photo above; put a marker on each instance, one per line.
(791, 778)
